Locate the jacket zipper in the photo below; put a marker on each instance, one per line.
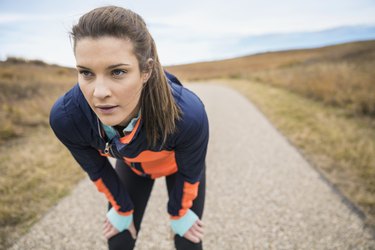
(108, 146)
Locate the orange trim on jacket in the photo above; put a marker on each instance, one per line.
(190, 192)
(155, 164)
(103, 189)
(127, 138)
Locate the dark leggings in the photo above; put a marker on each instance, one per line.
(139, 189)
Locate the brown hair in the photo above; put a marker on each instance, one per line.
(159, 111)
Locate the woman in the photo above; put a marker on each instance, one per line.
(125, 106)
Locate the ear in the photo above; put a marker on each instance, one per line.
(148, 72)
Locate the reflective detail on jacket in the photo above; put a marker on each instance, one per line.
(184, 152)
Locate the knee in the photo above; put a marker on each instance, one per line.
(121, 241)
(183, 244)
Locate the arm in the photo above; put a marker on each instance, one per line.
(97, 167)
(190, 151)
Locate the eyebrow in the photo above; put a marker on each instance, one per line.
(109, 67)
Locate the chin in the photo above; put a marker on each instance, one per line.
(109, 122)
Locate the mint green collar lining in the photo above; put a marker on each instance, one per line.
(111, 132)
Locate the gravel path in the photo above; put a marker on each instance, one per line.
(261, 194)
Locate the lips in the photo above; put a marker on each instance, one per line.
(106, 109)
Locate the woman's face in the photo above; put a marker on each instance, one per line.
(110, 78)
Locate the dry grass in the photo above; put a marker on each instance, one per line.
(27, 92)
(35, 169)
(349, 83)
(35, 172)
(340, 75)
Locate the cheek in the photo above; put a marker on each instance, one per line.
(128, 94)
(132, 89)
(86, 91)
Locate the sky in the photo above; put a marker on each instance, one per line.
(184, 31)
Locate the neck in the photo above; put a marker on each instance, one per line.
(131, 116)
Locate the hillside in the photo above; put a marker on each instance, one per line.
(246, 65)
(340, 75)
(27, 92)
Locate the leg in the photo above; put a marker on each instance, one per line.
(139, 189)
(198, 205)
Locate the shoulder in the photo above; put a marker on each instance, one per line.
(193, 123)
(193, 111)
(64, 115)
(192, 107)
(64, 106)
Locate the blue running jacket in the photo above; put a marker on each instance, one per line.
(184, 152)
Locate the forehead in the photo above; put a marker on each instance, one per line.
(103, 51)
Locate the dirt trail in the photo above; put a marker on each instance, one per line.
(261, 194)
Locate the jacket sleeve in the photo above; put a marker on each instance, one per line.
(97, 167)
(190, 153)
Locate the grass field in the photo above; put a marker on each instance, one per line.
(341, 75)
(35, 169)
(321, 99)
(27, 92)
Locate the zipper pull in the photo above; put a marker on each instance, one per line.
(106, 150)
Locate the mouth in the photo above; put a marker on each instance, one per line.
(106, 109)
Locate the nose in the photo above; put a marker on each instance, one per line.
(102, 89)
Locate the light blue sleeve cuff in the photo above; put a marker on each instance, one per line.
(120, 222)
(182, 225)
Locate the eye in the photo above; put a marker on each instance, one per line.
(85, 73)
(118, 72)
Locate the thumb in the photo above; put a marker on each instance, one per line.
(133, 231)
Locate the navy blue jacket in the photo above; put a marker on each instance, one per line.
(184, 152)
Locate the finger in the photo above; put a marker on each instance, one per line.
(108, 234)
(106, 229)
(198, 228)
(133, 233)
(190, 236)
(111, 232)
(200, 223)
(197, 232)
(198, 235)
(132, 230)
(106, 225)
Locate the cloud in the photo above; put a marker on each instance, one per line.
(184, 31)
(8, 18)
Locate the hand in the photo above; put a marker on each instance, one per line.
(195, 233)
(109, 231)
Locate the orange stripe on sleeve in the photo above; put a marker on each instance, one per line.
(190, 192)
(103, 189)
